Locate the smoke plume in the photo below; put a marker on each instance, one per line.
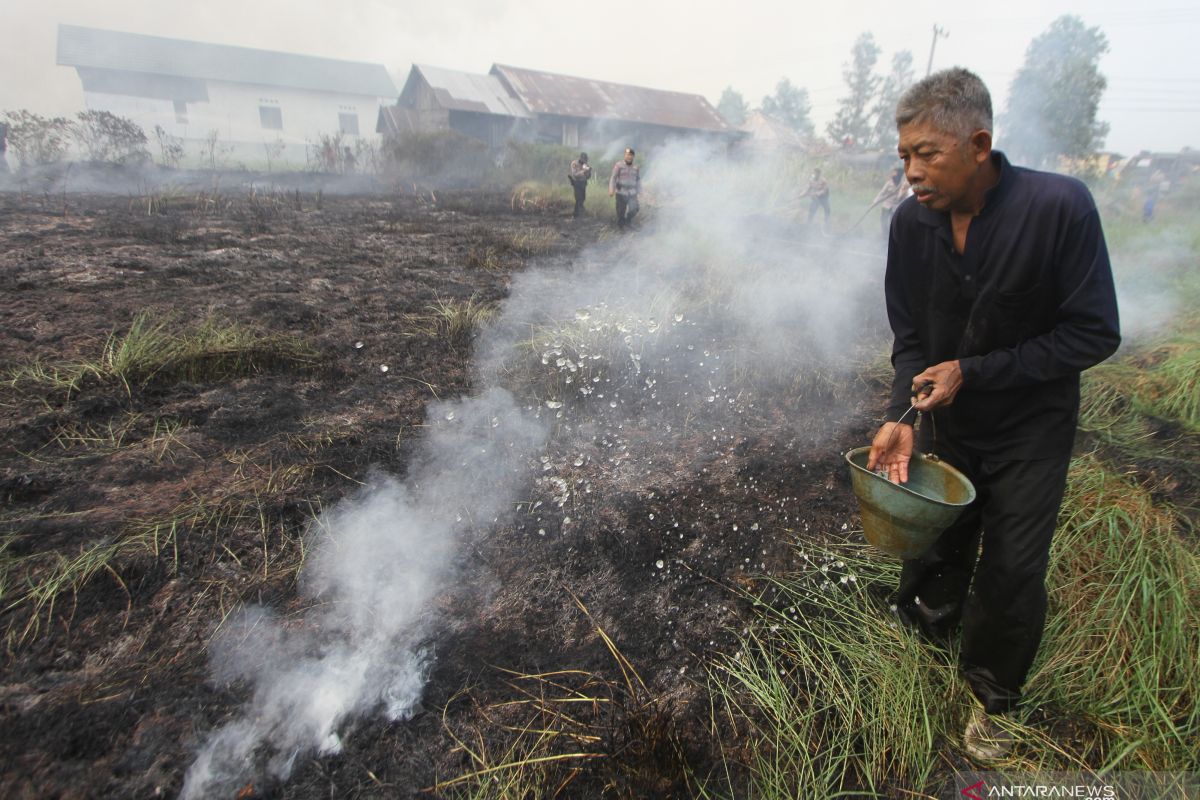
(715, 302)
(376, 562)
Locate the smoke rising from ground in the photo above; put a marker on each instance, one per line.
(699, 315)
(376, 561)
(722, 250)
(1146, 270)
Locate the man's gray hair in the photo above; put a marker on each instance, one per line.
(954, 100)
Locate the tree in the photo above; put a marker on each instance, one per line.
(732, 106)
(854, 117)
(1054, 98)
(790, 104)
(883, 136)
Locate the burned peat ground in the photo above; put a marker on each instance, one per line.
(140, 508)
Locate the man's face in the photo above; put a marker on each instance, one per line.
(941, 166)
(628, 158)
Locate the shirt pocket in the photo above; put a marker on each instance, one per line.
(1022, 297)
(1018, 315)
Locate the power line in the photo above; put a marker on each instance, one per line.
(1149, 110)
(1153, 80)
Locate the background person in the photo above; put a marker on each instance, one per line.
(891, 195)
(818, 190)
(579, 173)
(999, 293)
(625, 182)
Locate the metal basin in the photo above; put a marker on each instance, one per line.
(906, 519)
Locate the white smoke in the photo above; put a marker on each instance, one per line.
(1147, 270)
(723, 249)
(377, 561)
(719, 283)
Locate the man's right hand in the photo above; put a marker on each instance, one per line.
(891, 450)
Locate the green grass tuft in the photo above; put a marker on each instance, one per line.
(158, 350)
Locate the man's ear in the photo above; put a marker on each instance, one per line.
(981, 142)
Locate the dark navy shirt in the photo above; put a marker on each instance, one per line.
(1026, 307)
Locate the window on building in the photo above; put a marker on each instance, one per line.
(181, 112)
(271, 117)
(348, 123)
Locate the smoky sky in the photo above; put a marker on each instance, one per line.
(1153, 67)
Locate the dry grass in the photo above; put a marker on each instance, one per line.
(555, 723)
(455, 320)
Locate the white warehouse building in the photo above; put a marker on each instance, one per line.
(258, 102)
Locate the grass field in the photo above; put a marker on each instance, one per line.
(841, 700)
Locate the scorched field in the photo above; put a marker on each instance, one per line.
(413, 495)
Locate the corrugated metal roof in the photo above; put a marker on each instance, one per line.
(548, 93)
(467, 91)
(135, 52)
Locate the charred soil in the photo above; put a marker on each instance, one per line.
(160, 502)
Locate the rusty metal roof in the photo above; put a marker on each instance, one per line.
(465, 91)
(548, 93)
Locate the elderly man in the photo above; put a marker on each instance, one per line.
(625, 183)
(999, 293)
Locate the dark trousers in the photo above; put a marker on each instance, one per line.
(627, 209)
(821, 202)
(997, 591)
(580, 188)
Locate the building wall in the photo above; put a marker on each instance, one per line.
(233, 111)
(430, 114)
(491, 129)
(611, 137)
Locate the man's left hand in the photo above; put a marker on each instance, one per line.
(937, 386)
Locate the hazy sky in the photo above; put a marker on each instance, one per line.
(1153, 64)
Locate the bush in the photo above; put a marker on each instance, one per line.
(439, 158)
(104, 136)
(37, 139)
(530, 161)
(170, 147)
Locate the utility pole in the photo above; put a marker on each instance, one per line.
(938, 33)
